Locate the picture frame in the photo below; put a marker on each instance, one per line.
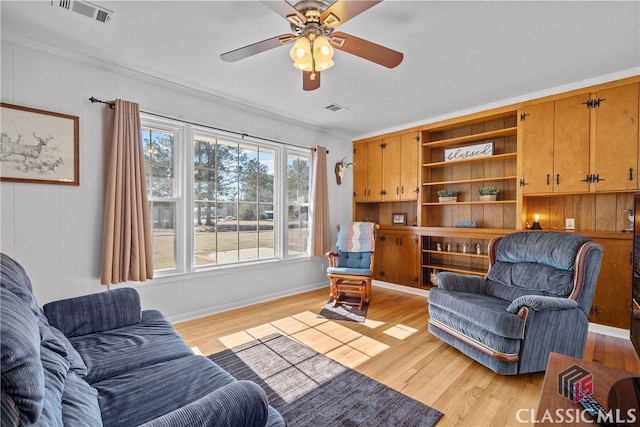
(399, 218)
(38, 146)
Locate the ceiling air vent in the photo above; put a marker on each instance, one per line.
(336, 108)
(87, 9)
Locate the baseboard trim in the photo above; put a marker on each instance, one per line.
(609, 331)
(401, 288)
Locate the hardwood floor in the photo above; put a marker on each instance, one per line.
(395, 348)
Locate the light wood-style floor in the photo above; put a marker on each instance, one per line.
(395, 348)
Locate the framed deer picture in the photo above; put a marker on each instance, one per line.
(38, 146)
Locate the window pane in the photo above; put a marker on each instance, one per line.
(205, 232)
(265, 231)
(163, 215)
(297, 204)
(158, 153)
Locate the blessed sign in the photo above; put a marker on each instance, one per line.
(468, 152)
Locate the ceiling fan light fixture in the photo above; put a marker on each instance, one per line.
(322, 53)
(301, 54)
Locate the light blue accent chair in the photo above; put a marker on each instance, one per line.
(535, 300)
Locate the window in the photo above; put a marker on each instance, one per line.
(159, 152)
(298, 203)
(245, 200)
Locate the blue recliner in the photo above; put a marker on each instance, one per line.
(534, 300)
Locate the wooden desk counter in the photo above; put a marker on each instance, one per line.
(604, 378)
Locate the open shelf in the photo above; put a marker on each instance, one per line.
(472, 138)
(471, 181)
(470, 254)
(475, 202)
(478, 159)
(456, 269)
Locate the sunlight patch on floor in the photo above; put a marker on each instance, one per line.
(334, 340)
(400, 331)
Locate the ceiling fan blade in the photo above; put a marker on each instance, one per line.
(365, 49)
(344, 10)
(308, 83)
(252, 49)
(288, 12)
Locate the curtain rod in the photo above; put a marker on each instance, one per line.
(242, 135)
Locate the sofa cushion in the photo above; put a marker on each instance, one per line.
(114, 352)
(15, 279)
(136, 397)
(55, 373)
(76, 363)
(240, 403)
(95, 313)
(80, 403)
(22, 375)
(485, 311)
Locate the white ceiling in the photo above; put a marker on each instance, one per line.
(457, 55)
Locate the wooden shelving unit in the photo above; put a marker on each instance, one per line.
(467, 176)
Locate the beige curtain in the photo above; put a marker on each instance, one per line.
(126, 235)
(320, 235)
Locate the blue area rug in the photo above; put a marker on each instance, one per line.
(310, 389)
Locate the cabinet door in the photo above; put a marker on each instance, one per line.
(409, 177)
(383, 245)
(360, 160)
(571, 145)
(537, 148)
(374, 172)
(612, 300)
(616, 140)
(391, 167)
(397, 258)
(406, 260)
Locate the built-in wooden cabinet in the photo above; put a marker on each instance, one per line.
(581, 143)
(397, 256)
(615, 151)
(367, 167)
(611, 303)
(573, 155)
(386, 177)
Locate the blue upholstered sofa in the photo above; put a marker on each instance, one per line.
(100, 360)
(534, 300)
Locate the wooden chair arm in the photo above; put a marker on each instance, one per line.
(332, 257)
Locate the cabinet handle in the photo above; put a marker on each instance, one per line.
(523, 183)
(630, 174)
(548, 179)
(382, 238)
(587, 179)
(397, 191)
(402, 189)
(596, 178)
(557, 179)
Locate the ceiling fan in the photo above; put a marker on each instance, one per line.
(312, 24)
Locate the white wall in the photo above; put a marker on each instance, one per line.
(55, 231)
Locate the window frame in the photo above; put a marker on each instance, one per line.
(184, 197)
